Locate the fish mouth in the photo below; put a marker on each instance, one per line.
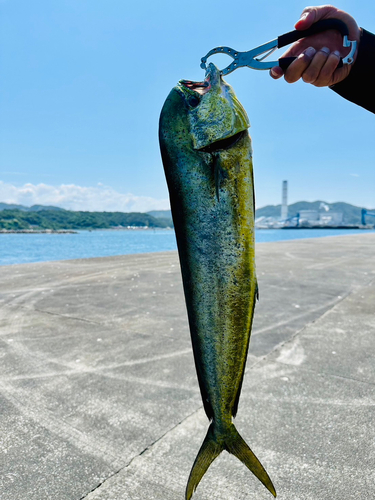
(212, 76)
(199, 87)
(193, 91)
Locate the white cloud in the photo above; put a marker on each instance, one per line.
(72, 197)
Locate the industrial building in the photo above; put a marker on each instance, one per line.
(322, 218)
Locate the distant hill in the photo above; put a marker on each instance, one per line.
(164, 216)
(351, 213)
(34, 208)
(161, 214)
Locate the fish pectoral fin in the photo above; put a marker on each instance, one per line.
(238, 447)
(212, 447)
(209, 450)
(219, 174)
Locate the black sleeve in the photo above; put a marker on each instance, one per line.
(359, 85)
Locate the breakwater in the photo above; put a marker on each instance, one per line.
(97, 367)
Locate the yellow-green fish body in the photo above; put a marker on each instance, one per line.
(207, 157)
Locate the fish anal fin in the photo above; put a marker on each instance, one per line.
(237, 398)
(205, 398)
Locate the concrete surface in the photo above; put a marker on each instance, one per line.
(99, 398)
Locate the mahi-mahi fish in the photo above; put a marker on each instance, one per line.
(207, 157)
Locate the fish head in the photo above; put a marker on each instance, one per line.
(218, 114)
(199, 114)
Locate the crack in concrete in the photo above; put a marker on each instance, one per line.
(148, 447)
(65, 316)
(26, 308)
(333, 375)
(327, 306)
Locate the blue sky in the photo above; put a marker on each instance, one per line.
(82, 83)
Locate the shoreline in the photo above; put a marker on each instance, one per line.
(359, 227)
(38, 231)
(132, 228)
(76, 231)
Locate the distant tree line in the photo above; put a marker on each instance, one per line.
(66, 219)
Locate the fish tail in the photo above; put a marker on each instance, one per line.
(233, 443)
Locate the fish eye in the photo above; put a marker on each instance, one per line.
(193, 101)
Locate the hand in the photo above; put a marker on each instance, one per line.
(318, 55)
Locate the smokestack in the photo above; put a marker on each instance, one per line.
(284, 205)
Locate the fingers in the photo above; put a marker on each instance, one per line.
(315, 67)
(311, 73)
(276, 72)
(320, 70)
(299, 66)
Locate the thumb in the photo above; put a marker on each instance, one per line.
(307, 18)
(311, 15)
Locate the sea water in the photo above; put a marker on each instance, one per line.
(24, 248)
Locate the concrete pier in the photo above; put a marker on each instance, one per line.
(99, 398)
